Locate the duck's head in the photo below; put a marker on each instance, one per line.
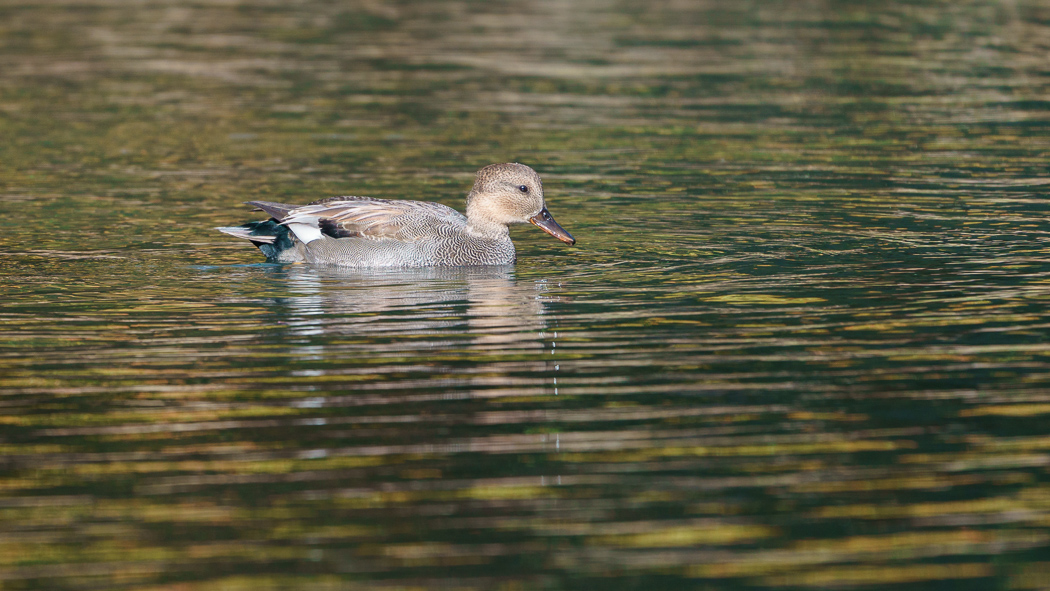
(512, 193)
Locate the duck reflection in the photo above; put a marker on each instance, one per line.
(424, 317)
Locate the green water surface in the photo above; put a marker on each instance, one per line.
(801, 342)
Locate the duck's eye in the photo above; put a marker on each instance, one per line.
(523, 188)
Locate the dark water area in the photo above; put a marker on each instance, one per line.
(800, 344)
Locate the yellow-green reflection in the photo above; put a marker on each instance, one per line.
(801, 342)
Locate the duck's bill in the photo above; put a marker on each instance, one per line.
(546, 222)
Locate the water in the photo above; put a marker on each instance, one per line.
(801, 342)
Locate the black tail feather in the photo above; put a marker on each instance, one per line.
(274, 240)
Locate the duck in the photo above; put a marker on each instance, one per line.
(366, 232)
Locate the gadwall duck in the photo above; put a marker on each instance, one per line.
(367, 232)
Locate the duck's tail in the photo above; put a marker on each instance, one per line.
(274, 240)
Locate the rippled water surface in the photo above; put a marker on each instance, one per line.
(801, 343)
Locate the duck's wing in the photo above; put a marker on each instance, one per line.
(365, 217)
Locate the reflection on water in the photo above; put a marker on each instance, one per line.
(801, 344)
(424, 312)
